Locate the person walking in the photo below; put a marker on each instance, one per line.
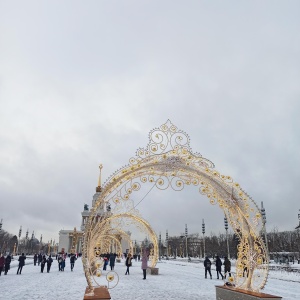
(40, 257)
(2, 263)
(105, 262)
(227, 266)
(35, 259)
(49, 263)
(144, 265)
(43, 262)
(21, 263)
(207, 266)
(218, 267)
(7, 264)
(72, 261)
(59, 260)
(128, 263)
(112, 259)
(63, 264)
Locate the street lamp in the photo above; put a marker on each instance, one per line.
(200, 250)
(20, 232)
(31, 241)
(167, 242)
(264, 220)
(203, 232)
(298, 230)
(49, 245)
(26, 241)
(159, 248)
(226, 228)
(298, 227)
(186, 235)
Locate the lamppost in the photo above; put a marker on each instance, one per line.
(159, 248)
(200, 250)
(20, 232)
(26, 241)
(298, 230)
(186, 235)
(226, 228)
(41, 240)
(203, 232)
(31, 241)
(49, 249)
(298, 227)
(49, 245)
(264, 220)
(0, 232)
(167, 242)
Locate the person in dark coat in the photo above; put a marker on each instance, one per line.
(63, 264)
(21, 263)
(227, 266)
(43, 262)
(59, 260)
(72, 261)
(40, 257)
(35, 259)
(207, 266)
(112, 259)
(218, 267)
(7, 264)
(128, 263)
(49, 263)
(2, 263)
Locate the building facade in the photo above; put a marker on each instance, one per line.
(70, 241)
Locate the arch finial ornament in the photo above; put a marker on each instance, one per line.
(169, 162)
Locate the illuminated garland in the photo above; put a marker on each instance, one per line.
(169, 162)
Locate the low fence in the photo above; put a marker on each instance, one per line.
(285, 268)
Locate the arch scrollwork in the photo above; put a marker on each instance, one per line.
(169, 162)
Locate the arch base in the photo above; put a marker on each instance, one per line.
(100, 293)
(152, 271)
(229, 293)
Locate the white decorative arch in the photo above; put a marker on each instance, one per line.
(169, 162)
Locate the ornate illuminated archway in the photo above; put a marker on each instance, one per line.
(108, 229)
(168, 161)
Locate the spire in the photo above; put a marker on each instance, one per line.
(98, 188)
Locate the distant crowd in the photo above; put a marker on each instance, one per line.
(108, 259)
(40, 259)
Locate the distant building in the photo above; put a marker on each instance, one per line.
(71, 240)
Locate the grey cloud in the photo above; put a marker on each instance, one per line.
(82, 84)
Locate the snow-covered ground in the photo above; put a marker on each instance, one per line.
(177, 279)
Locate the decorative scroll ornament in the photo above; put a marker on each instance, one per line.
(169, 162)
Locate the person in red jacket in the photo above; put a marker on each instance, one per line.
(2, 262)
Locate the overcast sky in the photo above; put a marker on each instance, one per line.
(83, 83)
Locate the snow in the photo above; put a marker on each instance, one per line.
(177, 279)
